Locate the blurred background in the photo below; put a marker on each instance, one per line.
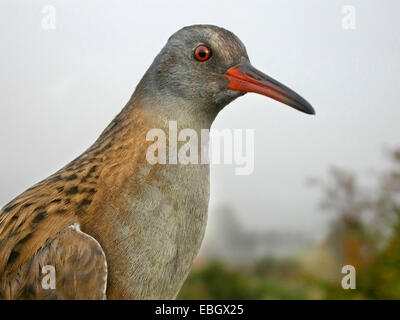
(325, 191)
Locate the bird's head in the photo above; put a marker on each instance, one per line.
(209, 66)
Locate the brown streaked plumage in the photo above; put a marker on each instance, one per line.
(110, 220)
(81, 270)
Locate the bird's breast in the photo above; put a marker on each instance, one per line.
(156, 230)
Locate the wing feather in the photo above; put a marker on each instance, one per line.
(80, 270)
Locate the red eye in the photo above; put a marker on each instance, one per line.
(202, 53)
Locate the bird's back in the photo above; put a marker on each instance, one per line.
(75, 194)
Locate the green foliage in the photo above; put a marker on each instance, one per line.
(218, 280)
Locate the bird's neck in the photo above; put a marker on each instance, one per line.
(161, 109)
(156, 111)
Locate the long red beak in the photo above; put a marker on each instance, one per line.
(244, 77)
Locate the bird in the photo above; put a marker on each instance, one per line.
(113, 225)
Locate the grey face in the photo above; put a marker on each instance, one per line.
(177, 72)
(210, 84)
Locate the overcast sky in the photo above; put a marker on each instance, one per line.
(61, 87)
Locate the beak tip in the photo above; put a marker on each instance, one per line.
(311, 111)
(304, 107)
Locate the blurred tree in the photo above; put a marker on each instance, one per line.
(348, 238)
(382, 279)
(364, 232)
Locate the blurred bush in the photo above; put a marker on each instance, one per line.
(364, 232)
